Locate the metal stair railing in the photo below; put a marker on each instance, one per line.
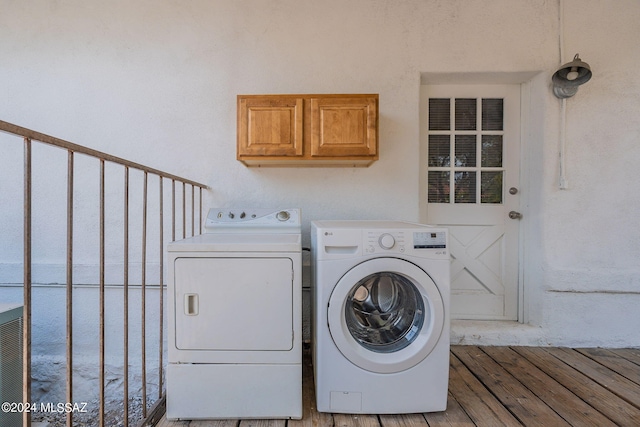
(28, 137)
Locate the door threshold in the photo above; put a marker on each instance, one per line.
(496, 333)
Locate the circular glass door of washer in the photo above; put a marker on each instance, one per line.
(386, 315)
(384, 312)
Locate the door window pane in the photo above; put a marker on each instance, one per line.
(439, 151)
(491, 187)
(465, 187)
(474, 138)
(439, 114)
(491, 151)
(492, 113)
(465, 151)
(466, 114)
(439, 187)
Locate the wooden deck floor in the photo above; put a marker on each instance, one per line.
(504, 386)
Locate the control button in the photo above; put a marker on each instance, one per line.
(231, 215)
(283, 216)
(371, 249)
(242, 215)
(386, 241)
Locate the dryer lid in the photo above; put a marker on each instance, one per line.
(239, 243)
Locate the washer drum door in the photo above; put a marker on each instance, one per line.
(386, 315)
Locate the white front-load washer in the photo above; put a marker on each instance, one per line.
(381, 293)
(235, 318)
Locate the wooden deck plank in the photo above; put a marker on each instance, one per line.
(403, 420)
(310, 416)
(614, 382)
(601, 399)
(453, 416)
(631, 354)
(348, 420)
(526, 406)
(611, 360)
(477, 402)
(166, 423)
(573, 409)
(500, 386)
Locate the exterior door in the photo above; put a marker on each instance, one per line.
(471, 158)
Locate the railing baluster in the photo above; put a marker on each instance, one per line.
(173, 210)
(193, 211)
(184, 210)
(161, 289)
(102, 299)
(200, 214)
(143, 297)
(70, 170)
(26, 309)
(126, 297)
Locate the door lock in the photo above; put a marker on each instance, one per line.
(515, 215)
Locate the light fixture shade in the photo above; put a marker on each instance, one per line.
(568, 77)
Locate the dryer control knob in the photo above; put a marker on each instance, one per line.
(283, 216)
(386, 241)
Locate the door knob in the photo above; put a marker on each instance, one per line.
(515, 215)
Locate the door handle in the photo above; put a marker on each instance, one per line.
(191, 304)
(515, 215)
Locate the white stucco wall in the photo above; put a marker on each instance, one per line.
(156, 82)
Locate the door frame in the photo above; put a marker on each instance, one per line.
(524, 185)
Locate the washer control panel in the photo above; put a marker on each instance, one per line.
(377, 241)
(351, 239)
(430, 240)
(386, 241)
(401, 241)
(220, 219)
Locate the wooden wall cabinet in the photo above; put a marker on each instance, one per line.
(307, 130)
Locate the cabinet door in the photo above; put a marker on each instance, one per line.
(343, 127)
(270, 126)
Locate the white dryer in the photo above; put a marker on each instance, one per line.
(235, 320)
(381, 294)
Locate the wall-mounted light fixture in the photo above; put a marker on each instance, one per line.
(569, 77)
